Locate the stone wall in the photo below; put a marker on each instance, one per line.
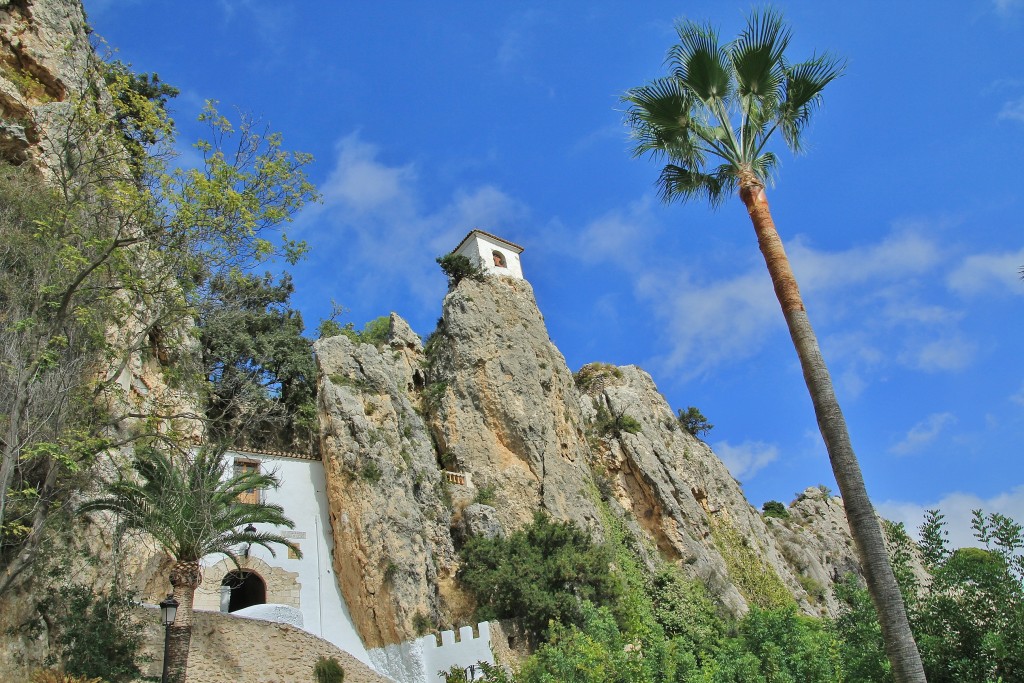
(282, 585)
(230, 648)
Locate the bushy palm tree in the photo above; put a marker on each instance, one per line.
(712, 119)
(192, 508)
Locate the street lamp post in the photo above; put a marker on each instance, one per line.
(168, 610)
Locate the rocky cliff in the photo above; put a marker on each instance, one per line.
(417, 439)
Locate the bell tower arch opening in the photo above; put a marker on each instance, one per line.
(247, 589)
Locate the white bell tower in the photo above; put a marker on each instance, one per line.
(492, 254)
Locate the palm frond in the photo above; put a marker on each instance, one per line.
(679, 182)
(700, 63)
(757, 56)
(189, 504)
(662, 123)
(804, 83)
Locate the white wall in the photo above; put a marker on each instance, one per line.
(303, 495)
(421, 660)
(479, 250)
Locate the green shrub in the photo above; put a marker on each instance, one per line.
(607, 424)
(376, 331)
(457, 267)
(371, 472)
(538, 574)
(774, 508)
(693, 421)
(96, 636)
(328, 670)
(755, 579)
(485, 495)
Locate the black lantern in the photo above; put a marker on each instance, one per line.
(168, 610)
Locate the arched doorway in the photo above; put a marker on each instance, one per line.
(247, 589)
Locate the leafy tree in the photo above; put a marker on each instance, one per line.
(96, 634)
(99, 268)
(858, 635)
(933, 539)
(192, 508)
(598, 650)
(721, 104)
(457, 267)
(693, 421)
(262, 377)
(538, 574)
(774, 508)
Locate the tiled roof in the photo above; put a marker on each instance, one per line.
(476, 231)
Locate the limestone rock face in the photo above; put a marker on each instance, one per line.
(45, 60)
(471, 435)
(504, 406)
(390, 522)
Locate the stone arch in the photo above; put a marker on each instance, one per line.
(245, 589)
(282, 586)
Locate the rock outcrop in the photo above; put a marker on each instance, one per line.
(45, 60)
(426, 447)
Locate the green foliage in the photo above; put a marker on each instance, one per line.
(483, 672)
(774, 508)
(370, 472)
(96, 634)
(968, 619)
(594, 375)
(421, 623)
(599, 651)
(685, 612)
(777, 645)
(755, 579)
(434, 393)
(485, 495)
(190, 506)
(537, 575)
(140, 106)
(693, 421)
(457, 267)
(858, 635)
(328, 670)
(607, 424)
(109, 263)
(262, 378)
(376, 331)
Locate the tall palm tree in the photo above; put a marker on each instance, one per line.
(189, 504)
(711, 119)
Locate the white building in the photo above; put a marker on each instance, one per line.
(491, 253)
(306, 585)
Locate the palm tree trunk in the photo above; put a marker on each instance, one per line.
(867, 532)
(184, 579)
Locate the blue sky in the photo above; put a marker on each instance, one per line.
(902, 219)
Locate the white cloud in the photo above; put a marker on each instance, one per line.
(373, 221)
(896, 257)
(746, 459)
(923, 433)
(707, 325)
(1007, 7)
(1013, 110)
(946, 354)
(360, 182)
(957, 508)
(983, 273)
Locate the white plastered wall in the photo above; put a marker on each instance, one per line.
(303, 495)
(479, 249)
